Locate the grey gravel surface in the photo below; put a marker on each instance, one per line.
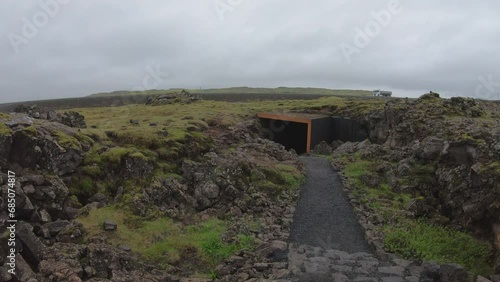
(324, 217)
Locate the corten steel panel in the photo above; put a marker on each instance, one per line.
(307, 121)
(348, 130)
(321, 130)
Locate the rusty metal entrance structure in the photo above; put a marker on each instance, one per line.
(302, 132)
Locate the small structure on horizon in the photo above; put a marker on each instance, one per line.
(381, 93)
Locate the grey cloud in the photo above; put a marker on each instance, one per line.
(93, 46)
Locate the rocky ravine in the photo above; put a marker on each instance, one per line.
(444, 153)
(52, 246)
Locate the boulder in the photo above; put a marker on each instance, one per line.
(206, 194)
(139, 166)
(322, 149)
(271, 249)
(431, 148)
(104, 259)
(23, 269)
(5, 147)
(183, 97)
(61, 270)
(453, 273)
(33, 248)
(433, 272)
(29, 152)
(25, 150)
(72, 233)
(19, 121)
(53, 228)
(109, 225)
(73, 119)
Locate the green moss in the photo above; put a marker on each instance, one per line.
(92, 170)
(491, 170)
(423, 241)
(66, 141)
(74, 202)
(277, 178)
(138, 155)
(84, 139)
(31, 130)
(4, 129)
(95, 134)
(115, 155)
(466, 138)
(83, 188)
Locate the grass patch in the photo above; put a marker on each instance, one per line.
(278, 178)
(198, 247)
(423, 241)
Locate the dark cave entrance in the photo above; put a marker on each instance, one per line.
(302, 132)
(292, 135)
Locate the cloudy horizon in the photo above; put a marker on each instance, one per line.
(70, 48)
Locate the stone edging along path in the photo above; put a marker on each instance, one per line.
(327, 242)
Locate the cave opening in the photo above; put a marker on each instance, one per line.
(302, 132)
(292, 135)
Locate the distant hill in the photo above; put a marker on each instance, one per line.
(244, 90)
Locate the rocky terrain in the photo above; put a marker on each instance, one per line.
(53, 244)
(190, 192)
(428, 159)
(308, 264)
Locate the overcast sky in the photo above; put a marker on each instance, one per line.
(70, 48)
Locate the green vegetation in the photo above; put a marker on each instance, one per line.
(466, 138)
(31, 130)
(278, 178)
(4, 129)
(92, 170)
(247, 90)
(491, 170)
(381, 198)
(421, 240)
(66, 141)
(163, 241)
(409, 237)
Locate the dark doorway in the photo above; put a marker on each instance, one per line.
(292, 135)
(345, 129)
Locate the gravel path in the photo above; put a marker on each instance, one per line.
(324, 217)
